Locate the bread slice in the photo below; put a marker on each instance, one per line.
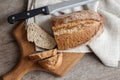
(41, 38)
(43, 55)
(49, 60)
(75, 29)
(52, 63)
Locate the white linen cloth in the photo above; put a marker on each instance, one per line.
(107, 45)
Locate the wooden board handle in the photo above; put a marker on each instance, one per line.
(18, 72)
(25, 65)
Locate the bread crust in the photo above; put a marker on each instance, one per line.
(76, 29)
(52, 63)
(79, 15)
(49, 60)
(42, 55)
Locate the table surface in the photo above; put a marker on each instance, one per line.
(89, 68)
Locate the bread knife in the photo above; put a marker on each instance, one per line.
(83, 49)
(46, 10)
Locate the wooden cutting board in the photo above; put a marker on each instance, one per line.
(25, 65)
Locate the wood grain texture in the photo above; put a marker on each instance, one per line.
(25, 65)
(9, 50)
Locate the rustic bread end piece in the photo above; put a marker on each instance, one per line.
(41, 38)
(75, 29)
(52, 63)
(43, 55)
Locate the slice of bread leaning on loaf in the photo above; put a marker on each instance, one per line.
(74, 29)
(40, 37)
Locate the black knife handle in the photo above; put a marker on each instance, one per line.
(28, 14)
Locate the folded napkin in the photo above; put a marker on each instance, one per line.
(106, 46)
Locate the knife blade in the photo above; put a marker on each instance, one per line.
(67, 5)
(83, 49)
(46, 10)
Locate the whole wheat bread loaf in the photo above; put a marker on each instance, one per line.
(41, 38)
(74, 29)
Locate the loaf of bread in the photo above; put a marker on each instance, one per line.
(41, 38)
(52, 63)
(74, 29)
(43, 55)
